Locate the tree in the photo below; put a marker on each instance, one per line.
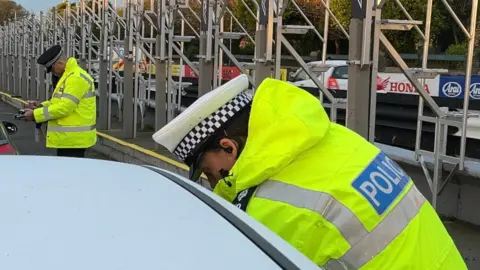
(304, 44)
(462, 9)
(10, 10)
(341, 9)
(62, 7)
(403, 41)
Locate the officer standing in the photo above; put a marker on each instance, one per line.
(323, 188)
(71, 112)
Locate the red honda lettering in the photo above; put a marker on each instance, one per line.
(427, 89)
(410, 88)
(405, 87)
(393, 87)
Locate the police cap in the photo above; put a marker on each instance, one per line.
(49, 57)
(187, 134)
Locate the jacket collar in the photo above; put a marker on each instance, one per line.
(70, 66)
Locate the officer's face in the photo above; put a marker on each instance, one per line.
(58, 68)
(214, 161)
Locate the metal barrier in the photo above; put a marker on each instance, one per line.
(442, 118)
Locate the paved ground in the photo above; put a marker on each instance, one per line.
(467, 237)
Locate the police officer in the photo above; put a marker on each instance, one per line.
(320, 186)
(71, 112)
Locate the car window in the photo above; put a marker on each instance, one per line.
(340, 72)
(302, 75)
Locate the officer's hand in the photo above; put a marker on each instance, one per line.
(28, 115)
(33, 104)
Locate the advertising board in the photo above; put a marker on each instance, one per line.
(230, 72)
(454, 87)
(399, 84)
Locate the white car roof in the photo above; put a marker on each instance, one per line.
(335, 63)
(66, 213)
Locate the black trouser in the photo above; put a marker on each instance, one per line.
(71, 152)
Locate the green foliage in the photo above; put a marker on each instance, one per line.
(10, 10)
(62, 7)
(240, 11)
(404, 41)
(342, 10)
(457, 49)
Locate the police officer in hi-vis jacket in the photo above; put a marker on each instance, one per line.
(323, 188)
(71, 111)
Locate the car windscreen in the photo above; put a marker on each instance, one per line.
(302, 75)
(340, 72)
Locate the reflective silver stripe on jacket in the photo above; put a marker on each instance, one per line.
(323, 203)
(71, 97)
(70, 129)
(89, 95)
(46, 114)
(365, 245)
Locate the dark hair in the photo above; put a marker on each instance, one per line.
(236, 128)
(55, 80)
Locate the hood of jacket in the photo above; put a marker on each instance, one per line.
(70, 66)
(284, 122)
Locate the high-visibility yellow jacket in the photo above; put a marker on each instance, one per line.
(71, 112)
(330, 193)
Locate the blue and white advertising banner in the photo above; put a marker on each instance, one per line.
(454, 87)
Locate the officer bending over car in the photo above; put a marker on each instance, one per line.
(71, 112)
(323, 188)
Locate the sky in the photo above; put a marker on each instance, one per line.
(38, 5)
(43, 5)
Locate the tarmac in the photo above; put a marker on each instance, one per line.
(466, 236)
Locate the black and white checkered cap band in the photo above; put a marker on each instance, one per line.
(211, 124)
(51, 62)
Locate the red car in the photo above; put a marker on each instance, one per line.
(6, 145)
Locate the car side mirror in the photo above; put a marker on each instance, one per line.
(10, 127)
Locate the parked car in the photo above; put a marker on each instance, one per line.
(336, 78)
(68, 213)
(6, 145)
(301, 79)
